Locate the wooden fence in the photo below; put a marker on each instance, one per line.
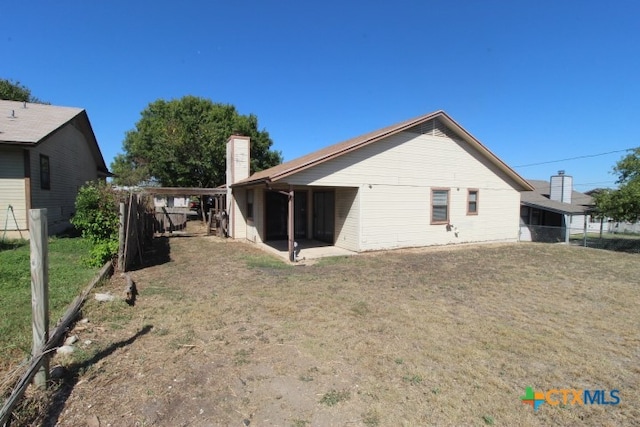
(44, 342)
(137, 224)
(170, 219)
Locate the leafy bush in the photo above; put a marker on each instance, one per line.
(97, 217)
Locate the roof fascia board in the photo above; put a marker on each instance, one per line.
(459, 130)
(353, 147)
(470, 139)
(584, 211)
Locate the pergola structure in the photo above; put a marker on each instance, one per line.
(218, 194)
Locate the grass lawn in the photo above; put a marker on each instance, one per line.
(224, 334)
(67, 276)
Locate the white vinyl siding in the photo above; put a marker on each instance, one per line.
(255, 229)
(472, 202)
(346, 222)
(12, 190)
(238, 227)
(396, 176)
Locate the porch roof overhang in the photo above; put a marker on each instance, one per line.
(556, 207)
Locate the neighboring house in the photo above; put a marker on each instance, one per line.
(46, 154)
(162, 201)
(611, 226)
(554, 211)
(425, 181)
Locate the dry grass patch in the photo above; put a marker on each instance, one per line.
(429, 337)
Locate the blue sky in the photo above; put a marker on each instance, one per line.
(534, 81)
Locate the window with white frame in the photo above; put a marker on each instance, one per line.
(440, 206)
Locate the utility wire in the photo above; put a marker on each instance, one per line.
(575, 158)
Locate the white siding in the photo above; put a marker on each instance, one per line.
(71, 164)
(12, 190)
(347, 232)
(395, 177)
(238, 213)
(255, 228)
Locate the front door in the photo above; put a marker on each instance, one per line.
(323, 216)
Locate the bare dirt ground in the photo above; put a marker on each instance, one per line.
(223, 334)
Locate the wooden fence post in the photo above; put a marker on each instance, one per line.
(39, 289)
(121, 237)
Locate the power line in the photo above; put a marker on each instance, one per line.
(575, 158)
(594, 183)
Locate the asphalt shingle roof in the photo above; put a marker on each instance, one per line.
(285, 169)
(580, 202)
(29, 123)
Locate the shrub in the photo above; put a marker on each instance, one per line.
(97, 217)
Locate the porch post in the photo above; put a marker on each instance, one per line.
(290, 229)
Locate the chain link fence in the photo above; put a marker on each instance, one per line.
(626, 241)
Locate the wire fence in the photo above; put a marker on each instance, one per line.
(626, 241)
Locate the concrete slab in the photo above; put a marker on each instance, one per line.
(308, 249)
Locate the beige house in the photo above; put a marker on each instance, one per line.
(46, 154)
(425, 181)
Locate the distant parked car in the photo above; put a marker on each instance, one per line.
(195, 205)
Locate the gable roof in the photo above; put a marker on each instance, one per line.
(451, 128)
(539, 198)
(26, 124)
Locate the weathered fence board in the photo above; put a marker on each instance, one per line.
(170, 219)
(136, 231)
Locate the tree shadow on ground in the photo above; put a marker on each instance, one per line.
(74, 371)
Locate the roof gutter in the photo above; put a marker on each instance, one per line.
(585, 210)
(265, 180)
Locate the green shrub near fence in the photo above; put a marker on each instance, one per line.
(97, 218)
(68, 275)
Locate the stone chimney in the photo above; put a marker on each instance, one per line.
(238, 162)
(561, 187)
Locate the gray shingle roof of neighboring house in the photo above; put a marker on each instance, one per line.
(539, 198)
(27, 124)
(30, 123)
(301, 163)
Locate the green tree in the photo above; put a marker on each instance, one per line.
(182, 143)
(14, 91)
(623, 203)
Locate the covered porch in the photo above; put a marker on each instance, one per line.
(321, 220)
